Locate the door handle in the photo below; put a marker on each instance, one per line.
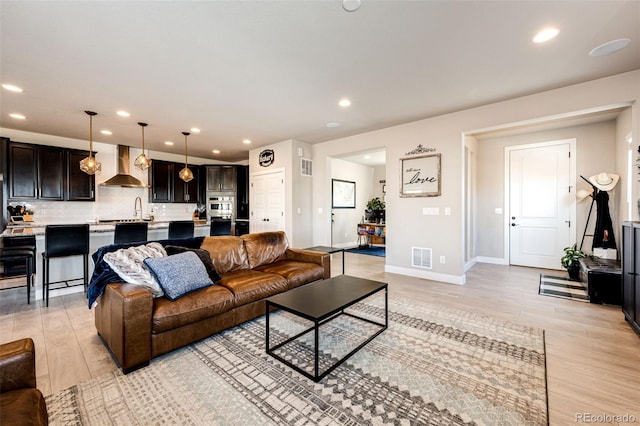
(514, 224)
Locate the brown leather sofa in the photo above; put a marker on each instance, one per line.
(136, 327)
(20, 402)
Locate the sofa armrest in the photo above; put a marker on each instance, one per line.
(322, 259)
(17, 365)
(123, 317)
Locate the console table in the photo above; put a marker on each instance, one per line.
(603, 278)
(371, 233)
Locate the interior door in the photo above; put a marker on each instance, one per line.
(541, 204)
(267, 211)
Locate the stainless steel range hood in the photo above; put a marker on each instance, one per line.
(124, 178)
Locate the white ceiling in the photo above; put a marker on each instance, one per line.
(275, 70)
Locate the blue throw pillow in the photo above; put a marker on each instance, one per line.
(179, 274)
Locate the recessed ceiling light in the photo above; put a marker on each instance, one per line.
(17, 116)
(216, 151)
(12, 88)
(333, 125)
(169, 143)
(344, 102)
(246, 141)
(610, 47)
(106, 132)
(367, 157)
(195, 130)
(123, 113)
(545, 35)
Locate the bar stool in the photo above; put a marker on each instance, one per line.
(181, 229)
(220, 227)
(24, 254)
(130, 232)
(64, 241)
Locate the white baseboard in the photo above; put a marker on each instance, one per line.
(470, 264)
(492, 260)
(434, 276)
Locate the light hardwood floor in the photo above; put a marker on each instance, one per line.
(593, 356)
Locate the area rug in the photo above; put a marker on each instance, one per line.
(563, 287)
(433, 365)
(371, 250)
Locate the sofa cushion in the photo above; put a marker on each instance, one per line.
(296, 273)
(227, 253)
(179, 274)
(193, 307)
(23, 407)
(264, 247)
(204, 256)
(128, 263)
(248, 285)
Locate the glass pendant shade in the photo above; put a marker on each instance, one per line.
(89, 165)
(142, 161)
(185, 174)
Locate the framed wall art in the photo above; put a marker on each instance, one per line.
(343, 194)
(420, 176)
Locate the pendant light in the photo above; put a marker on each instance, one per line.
(142, 161)
(89, 165)
(185, 174)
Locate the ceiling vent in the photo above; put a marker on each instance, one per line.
(124, 178)
(421, 257)
(306, 167)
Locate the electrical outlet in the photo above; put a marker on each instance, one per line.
(442, 260)
(447, 211)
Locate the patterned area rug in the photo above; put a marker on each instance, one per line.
(433, 365)
(563, 287)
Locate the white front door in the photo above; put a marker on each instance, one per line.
(267, 211)
(541, 203)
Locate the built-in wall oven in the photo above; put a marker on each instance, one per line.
(221, 210)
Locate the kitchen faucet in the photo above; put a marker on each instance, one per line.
(135, 208)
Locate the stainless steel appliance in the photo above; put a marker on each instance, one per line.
(221, 210)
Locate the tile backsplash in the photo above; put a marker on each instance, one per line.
(111, 203)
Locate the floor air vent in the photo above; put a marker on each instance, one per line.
(306, 167)
(421, 257)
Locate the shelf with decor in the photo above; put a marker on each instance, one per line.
(371, 233)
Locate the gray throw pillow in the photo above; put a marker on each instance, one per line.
(202, 254)
(179, 274)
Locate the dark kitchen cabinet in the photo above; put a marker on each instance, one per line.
(36, 172)
(221, 178)
(80, 186)
(631, 273)
(166, 185)
(161, 181)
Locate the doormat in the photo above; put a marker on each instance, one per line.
(563, 287)
(371, 250)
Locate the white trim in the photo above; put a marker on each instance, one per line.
(507, 201)
(433, 276)
(470, 264)
(492, 260)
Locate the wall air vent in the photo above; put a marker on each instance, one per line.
(306, 167)
(421, 257)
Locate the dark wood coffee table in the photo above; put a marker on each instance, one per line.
(321, 302)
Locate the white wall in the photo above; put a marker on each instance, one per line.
(345, 221)
(298, 213)
(595, 149)
(444, 234)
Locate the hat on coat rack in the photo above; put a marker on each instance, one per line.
(583, 193)
(604, 181)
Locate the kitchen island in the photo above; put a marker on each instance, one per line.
(101, 234)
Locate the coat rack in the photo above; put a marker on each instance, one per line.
(593, 200)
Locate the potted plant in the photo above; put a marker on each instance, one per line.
(375, 208)
(570, 261)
